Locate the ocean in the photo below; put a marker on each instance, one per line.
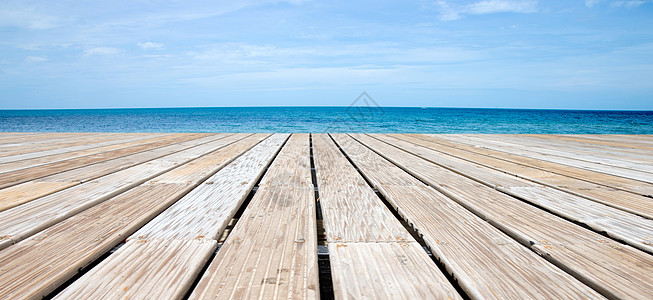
(368, 119)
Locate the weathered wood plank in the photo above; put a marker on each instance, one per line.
(22, 221)
(26, 170)
(486, 262)
(186, 256)
(206, 211)
(606, 169)
(617, 182)
(35, 267)
(632, 229)
(21, 145)
(277, 231)
(271, 252)
(632, 159)
(42, 160)
(630, 142)
(584, 141)
(199, 217)
(612, 268)
(84, 144)
(620, 199)
(371, 253)
(385, 271)
(28, 191)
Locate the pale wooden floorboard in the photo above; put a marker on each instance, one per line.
(27, 191)
(608, 139)
(605, 145)
(485, 262)
(49, 141)
(87, 143)
(34, 267)
(24, 220)
(632, 229)
(617, 182)
(372, 255)
(196, 220)
(85, 201)
(632, 159)
(606, 169)
(607, 195)
(25, 170)
(608, 266)
(277, 231)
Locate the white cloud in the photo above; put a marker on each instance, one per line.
(26, 17)
(150, 46)
(449, 12)
(591, 3)
(629, 4)
(495, 6)
(101, 51)
(32, 59)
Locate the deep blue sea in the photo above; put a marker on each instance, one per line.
(329, 119)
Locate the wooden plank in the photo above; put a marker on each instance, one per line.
(620, 199)
(371, 253)
(22, 221)
(87, 143)
(607, 139)
(612, 268)
(34, 267)
(277, 234)
(486, 262)
(26, 170)
(625, 184)
(197, 220)
(351, 210)
(186, 256)
(385, 271)
(606, 169)
(206, 211)
(292, 166)
(622, 147)
(43, 160)
(28, 191)
(610, 156)
(632, 229)
(271, 252)
(11, 138)
(48, 141)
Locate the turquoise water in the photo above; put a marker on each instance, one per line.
(329, 119)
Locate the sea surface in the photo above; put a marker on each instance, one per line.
(329, 119)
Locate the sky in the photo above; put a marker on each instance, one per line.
(585, 54)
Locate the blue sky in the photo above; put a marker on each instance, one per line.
(592, 54)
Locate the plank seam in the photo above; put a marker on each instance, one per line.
(409, 227)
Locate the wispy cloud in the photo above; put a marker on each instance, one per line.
(450, 12)
(28, 17)
(630, 3)
(591, 3)
(150, 46)
(35, 59)
(101, 51)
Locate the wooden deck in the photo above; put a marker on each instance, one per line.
(307, 216)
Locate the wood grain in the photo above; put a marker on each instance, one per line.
(620, 199)
(486, 262)
(606, 265)
(632, 229)
(372, 255)
(54, 255)
(277, 231)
